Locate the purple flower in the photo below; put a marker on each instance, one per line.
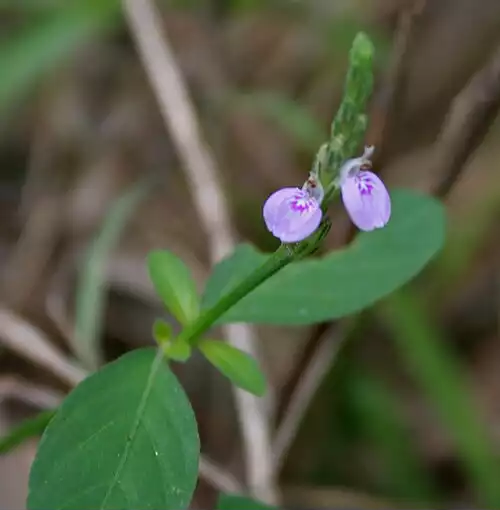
(364, 195)
(292, 214)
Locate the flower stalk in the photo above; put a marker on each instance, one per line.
(347, 133)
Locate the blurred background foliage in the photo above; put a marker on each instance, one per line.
(408, 414)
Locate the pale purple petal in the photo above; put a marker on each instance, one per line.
(272, 204)
(291, 214)
(299, 226)
(367, 200)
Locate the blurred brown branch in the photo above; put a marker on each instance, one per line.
(390, 94)
(301, 390)
(30, 343)
(13, 387)
(219, 478)
(181, 120)
(470, 117)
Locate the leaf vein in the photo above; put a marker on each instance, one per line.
(133, 433)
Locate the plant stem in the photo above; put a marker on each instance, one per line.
(270, 267)
(347, 131)
(349, 125)
(281, 258)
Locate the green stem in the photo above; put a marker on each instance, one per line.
(347, 131)
(281, 258)
(349, 125)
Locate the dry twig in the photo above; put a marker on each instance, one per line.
(180, 118)
(310, 378)
(31, 344)
(32, 252)
(13, 387)
(393, 87)
(219, 478)
(470, 117)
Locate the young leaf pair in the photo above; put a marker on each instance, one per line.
(174, 284)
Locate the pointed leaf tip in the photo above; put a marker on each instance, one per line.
(174, 284)
(236, 365)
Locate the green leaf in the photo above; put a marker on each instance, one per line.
(236, 365)
(126, 438)
(174, 284)
(41, 46)
(234, 502)
(175, 349)
(379, 416)
(343, 282)
(438, 370)
(31, 427)
(178, 350)
(162, 332)
(91, 292)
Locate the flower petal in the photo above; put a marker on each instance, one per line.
(291, 214)
(272, 204)
(367, 200)
(298, 227)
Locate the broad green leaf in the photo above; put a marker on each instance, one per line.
(236, 365)
(234, 502)
(174, 284)
(126, 438)
(31, 427)
(173, 348)
(91, 292)
(343, 282)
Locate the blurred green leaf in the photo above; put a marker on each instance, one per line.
(162, 331)
(126, 437)
(244, 6)
(91, 288)
(438, 370)
(295, 120)
(174, 284)
(402, 474)
(467, 235)
(177, 350)
(343, 282)
(39, 47)
(28, 6)
(234, 502)
(236, 365)
(31, 427)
